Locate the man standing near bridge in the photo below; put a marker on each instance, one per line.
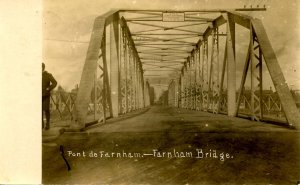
(48, 84)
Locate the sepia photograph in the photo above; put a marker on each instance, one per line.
(169, 92)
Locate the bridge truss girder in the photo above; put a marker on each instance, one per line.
(201, 81)
(119, 86)
(112, 74)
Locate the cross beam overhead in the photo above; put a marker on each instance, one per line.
(194, 51)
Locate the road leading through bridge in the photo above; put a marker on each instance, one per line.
(175, 146)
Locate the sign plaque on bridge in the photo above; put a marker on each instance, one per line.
(173, 16)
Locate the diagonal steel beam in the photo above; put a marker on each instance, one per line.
(142, 18)
(164, 27)
(241, 19)
(145, 12)
(158, 66)
(143, 31)
(165, 40)
(89, 69)
(285, 96)
(243, 80)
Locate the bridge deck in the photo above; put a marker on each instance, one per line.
(258, 152)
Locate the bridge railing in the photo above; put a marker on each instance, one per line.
(62, 104)
(208, 80)
(271, 104)
(112, 73)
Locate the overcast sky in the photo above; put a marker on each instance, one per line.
(68, 24)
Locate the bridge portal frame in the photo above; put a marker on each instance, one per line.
(136, 95)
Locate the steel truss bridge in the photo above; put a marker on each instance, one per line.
(192, 53)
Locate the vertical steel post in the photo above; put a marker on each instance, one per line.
(243, 80)
(214, 73)
(114, 65)
(181, 89)
(176, 92)
(221, 101)
(189, 73)
(104, 92)
(260, 83)
(205, 76)
(231, 68)
(252, 70)
(200, 79)
(256, 78)
(126, 70)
